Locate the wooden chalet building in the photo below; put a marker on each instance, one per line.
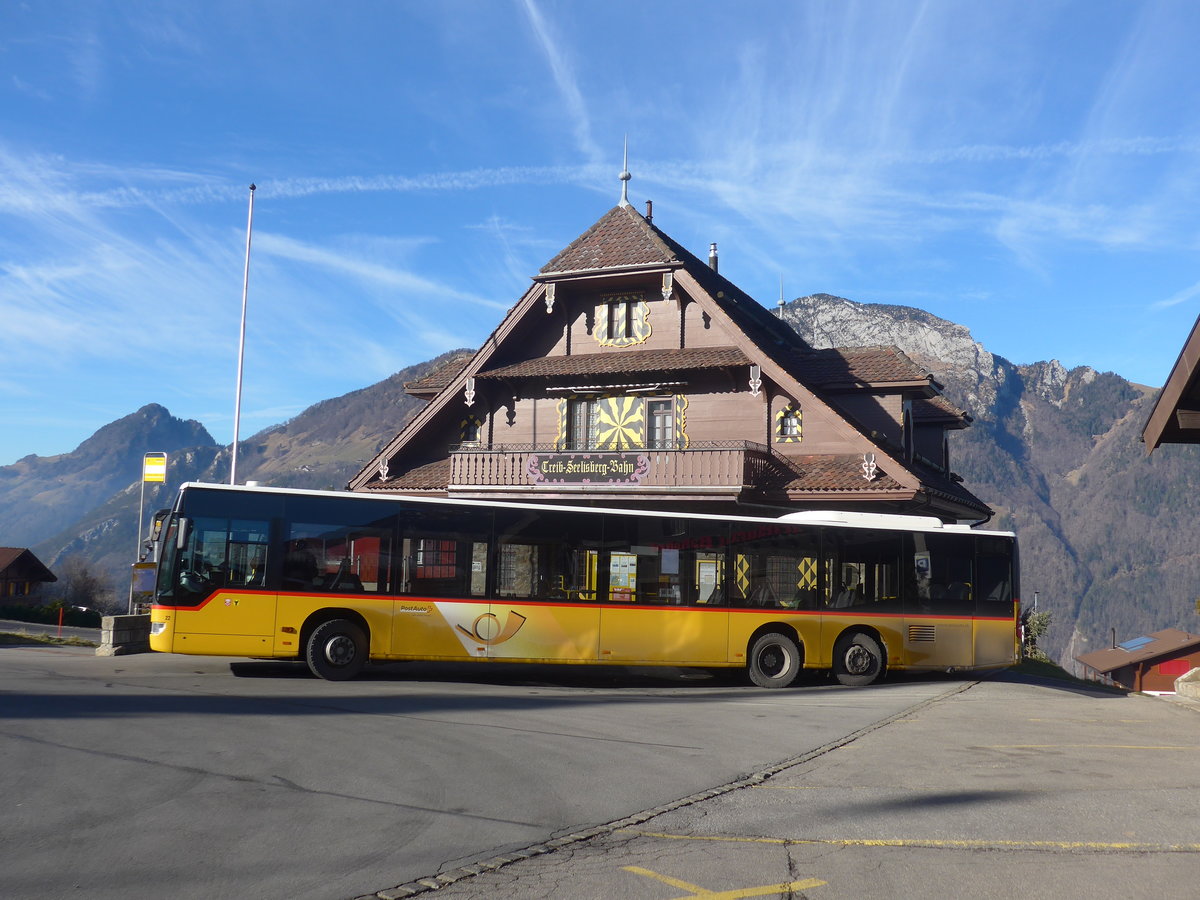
(21, 573)
(1151, 662)
(632, 373)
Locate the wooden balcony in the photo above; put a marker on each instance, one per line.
(714, 470)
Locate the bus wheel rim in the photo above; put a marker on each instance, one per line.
(772, 660)
(859, 660)
(339, 650)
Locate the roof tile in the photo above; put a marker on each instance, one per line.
(622, 238)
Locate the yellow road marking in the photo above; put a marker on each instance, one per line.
(1084, 746)
(736, 894)
(920, 843)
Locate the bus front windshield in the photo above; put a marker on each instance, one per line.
(203, 554)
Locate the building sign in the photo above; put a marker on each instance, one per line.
(587, 468)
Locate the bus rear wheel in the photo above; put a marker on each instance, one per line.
(336, 650)
(857, 659)
(774, 660)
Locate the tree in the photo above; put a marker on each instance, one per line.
(79, 586)
(1033, 626)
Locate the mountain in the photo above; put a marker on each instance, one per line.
(330, 442)
(86, 503)
(42, 495)
(1104, 539)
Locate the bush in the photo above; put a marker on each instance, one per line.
(48, 615)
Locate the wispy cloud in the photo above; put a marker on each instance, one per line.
(565, 80)
(364, 270)
(1178, 297)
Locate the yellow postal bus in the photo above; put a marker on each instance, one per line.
(339, 579)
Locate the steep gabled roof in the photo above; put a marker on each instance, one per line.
(1175, 418)
(622, 239)
(850, 368)
(24, 565)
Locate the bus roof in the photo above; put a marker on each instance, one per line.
(840, 518)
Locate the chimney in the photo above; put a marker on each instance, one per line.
(649, 210)
(712, 256)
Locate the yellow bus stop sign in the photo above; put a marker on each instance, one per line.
(154, 467)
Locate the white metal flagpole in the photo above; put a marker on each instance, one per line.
(237, 405)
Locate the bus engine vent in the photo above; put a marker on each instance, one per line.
(921, 634)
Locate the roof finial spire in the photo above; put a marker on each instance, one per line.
(625, 176)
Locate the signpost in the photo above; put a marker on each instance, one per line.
(154, 471)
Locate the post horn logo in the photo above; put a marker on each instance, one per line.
(486, 628)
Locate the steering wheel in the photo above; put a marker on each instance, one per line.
(193, 581)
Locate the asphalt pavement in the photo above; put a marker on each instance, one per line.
(1011, 787)
(205, 778)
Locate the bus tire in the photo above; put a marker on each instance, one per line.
(336, 650)
(857, 659)
(774, 660)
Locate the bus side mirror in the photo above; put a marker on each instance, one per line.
(181, 532)
(156, 524)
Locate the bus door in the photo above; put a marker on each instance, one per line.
(659, 602)
(941, 601)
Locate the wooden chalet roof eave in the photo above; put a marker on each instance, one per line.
(889, 387)
(607, 272)
(781, 376)
(1179, 384)
(826, 495)
(443, 397)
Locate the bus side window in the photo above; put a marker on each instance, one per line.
(864, 565)
(774, 567)
(337, 559)
(943, 573)
(993, 572)
(445, 551)
(547, 555)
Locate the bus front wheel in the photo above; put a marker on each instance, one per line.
(857, 659)
(337, 650)
(774, 660)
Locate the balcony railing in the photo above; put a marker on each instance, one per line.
(711, 467)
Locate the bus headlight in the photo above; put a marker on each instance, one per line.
(158, 627)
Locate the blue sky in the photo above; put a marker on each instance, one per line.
(1029, 170)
